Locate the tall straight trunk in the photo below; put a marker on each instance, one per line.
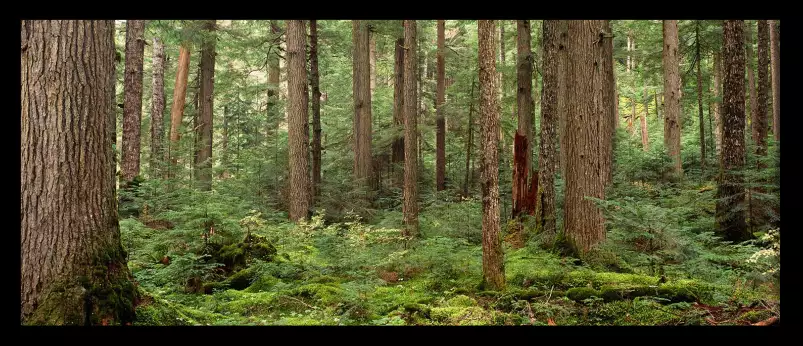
(316, 108)
(657, 108)
(362, 103)
(372, 59)
(730, 213)
(700, 96)
(563, 70)
(608, 126)
(73, 266)
(717, 108)
(272, 112)
(587, 117)
(132, 107)
(630, 128)
(206, 107)
(196, 114)
(545, 202)
(672, 126)
(760, 121)
(179, 101)
(297, 104)
(224, 145)
(751, 77)
(157, 107)
(410, 193)
(775, 49)
(493, 261)
(526, 106)
(469, 143)
(398, 105)
(645, 138)
(440, 164)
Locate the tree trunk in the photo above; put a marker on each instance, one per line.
(274, 74)
(493, 262)
(469, 143)
(751, 77)
(775, 49)
(297, 118)
(731, 192)
(73, 266)
(410, 203)
(587, 117)
(563, 70)
(545, 202)
(316, 108)
(717, 105)
(157, 108)
(760, 123)
(398, 108)
(372, 59)
(608, 126)
(524, 99)
(177, 111)
(700, 96)
(206, 108)
(132, 107)
(224, 145)
(362, 103)
(645, 138)
(672, 124)
(440, 164)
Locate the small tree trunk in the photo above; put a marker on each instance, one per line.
(469, 144)
(775, 49)
(545, 202)
(700, 97)
(672, 124)
(157, 108)
(410, 195)
(316, 108)
(274, 74)
(524, 98)
(493, 265)
(297, 119)
(206, 106)
(132, 111)
(751, 77)
(177, 112)
(760, 121)
(398, 106)
(440, 164)
(717, 105)
(645, 138)
(362, 104)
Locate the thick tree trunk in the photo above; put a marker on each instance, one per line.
(587, 116)
(524, 100)
(206, 108)
(73, 266)
(700, 96)
(730, 213)
(760, 123)
(297, 119)
(545, 202)
(316, 108)
(775, 49)
(132, 107)
(158, 108)
(563, 69)
(362, 103)
(672, 126)
(179, 101)
(398, 107)
(440, 164)
(410, 194)
(493, 263)
(717, 108)
(751, 77)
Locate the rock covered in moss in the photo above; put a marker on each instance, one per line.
(579, 294)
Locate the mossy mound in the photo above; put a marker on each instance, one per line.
(238, 255)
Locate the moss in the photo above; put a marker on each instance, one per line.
(581, 293)
(461, 300)
(262, 283)
(325, 294)
(242, 279)
(755, 316)
(465, 316)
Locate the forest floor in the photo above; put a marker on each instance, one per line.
(259, 270)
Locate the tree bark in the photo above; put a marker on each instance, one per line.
(224, 145)
(717, 105)
(158, 108)
(524, 99)
(493, 264)
(410, 193)
(645, 138)
(73, 266)
(372, 59)
(362, 103)
(440, 164)
(206, 107)
(563, 69)
(297, 119)
(177, 111)
(672, 126)
(700, 96)
(587, 117)
(775, 49)
(608, 94)
(730, 213)
(316, 109)
(545, 202)
(469, 143)
(132, 107)
(751, 77)
(398, 105)
(274, 74)
(760, 124)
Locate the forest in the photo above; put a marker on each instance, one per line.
(400, 172)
